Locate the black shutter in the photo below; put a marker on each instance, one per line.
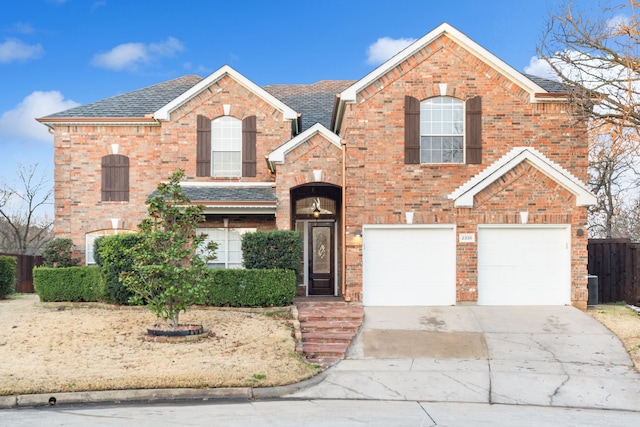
(249, 146)
(411, 130)
(203, 148)
(473, 130)
(115, 178)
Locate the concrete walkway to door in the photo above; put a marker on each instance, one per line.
(548, 356)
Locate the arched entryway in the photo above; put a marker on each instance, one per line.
(316, 215)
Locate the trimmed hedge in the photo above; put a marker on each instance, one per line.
(272, 249)
(250, 288)
(112, 255)
(69, 283)
(8, 270)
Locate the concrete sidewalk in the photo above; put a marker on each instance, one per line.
(547, 356)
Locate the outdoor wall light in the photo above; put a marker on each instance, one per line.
(316, 212)
(357, 234)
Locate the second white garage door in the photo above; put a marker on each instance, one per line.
(409, 265)
(524, 265)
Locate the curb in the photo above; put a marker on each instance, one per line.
(155, 395)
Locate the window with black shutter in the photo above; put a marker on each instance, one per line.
(411, 130)
(203, 149)
(115, 178)
(474, 130)
(249, 146)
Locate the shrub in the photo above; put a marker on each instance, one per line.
(59, 253)
(250, 288)
(272, 249)
(111, 255)
(8, 266)
(69, 284)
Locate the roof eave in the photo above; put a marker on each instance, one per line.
(104, 121)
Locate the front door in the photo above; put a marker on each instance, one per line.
(321, 258)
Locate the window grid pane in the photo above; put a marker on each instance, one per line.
(441, 130)
(226, 147)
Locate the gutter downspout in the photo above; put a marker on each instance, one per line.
(344, 221)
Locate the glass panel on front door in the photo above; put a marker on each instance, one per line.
(321, 258)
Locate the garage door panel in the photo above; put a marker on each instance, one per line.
(409, 266)
(524, 266)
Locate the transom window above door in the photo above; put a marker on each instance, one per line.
(226, 147)
(441, 130)
(315, 206)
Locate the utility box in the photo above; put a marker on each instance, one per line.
(592, 288)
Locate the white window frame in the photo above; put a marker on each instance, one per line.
(226, 147)
(442, 118)
(222, 253)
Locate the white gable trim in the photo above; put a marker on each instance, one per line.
(463, 196)
(278, 155)
(164, 113)
(350, 94)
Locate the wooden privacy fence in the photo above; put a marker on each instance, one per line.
(24, 273)
(616, 263)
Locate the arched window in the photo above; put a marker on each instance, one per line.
(441, 130)
(226, 147)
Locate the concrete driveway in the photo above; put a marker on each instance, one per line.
(549, 356)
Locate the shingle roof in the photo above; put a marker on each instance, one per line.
(314, 101)
(551, 86)
(137, 103)
(229, 194)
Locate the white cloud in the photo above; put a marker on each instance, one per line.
(17, 50)
(130, 56)
(384, 48)
(619, 21)
(540, 68)
(20, 122)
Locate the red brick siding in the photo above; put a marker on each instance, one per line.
(154, 153)
(381, 187)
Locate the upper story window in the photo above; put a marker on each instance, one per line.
(115, 178)
(441, 130)
(226, 147)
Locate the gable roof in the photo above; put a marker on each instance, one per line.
(164, 113)
(463, 196)
(350, 94)
(278, 155)
(135, 104)
(313, 101)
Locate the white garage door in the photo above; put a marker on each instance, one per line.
(409, 265)
(524, 265)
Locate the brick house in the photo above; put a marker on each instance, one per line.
(442, 176)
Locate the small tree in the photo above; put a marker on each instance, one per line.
(169, 269)
(59, 253)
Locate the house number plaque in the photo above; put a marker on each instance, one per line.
(467, 237)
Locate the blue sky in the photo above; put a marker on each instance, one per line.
(56, 54)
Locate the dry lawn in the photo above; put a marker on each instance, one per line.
(59, 347)
(623, 322)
